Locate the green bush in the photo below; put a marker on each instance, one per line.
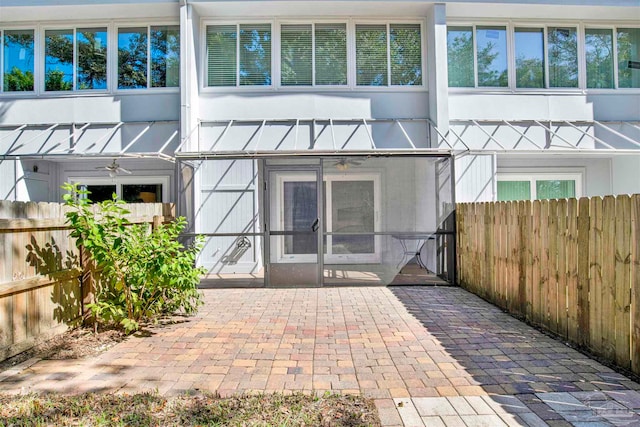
(143, 274)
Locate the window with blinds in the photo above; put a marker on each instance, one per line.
(313, 54)
(371, 55)
(239, 55)
(388, 55)
(406, 54)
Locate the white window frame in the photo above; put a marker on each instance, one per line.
(510, 51)
(580, 27)
(119, 181)
(115, 72)
(388, 23)
(275, 56)
(532, 177)
(329, 257)
(278, 46)
(42, 63)
(36, 62)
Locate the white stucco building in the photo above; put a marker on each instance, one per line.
(320, 142)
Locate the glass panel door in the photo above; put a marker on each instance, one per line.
(293, 226)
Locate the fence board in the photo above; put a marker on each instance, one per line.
(595, 273)
(561, 272)
(622, 284)
(544, 262)
(583, 272)
(635, 283)
(572, 270)
(552, 287)
(535, 265)
(527, 245)
(608, 278)
(571, 266)
(40, 266)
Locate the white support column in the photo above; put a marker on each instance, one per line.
(437, 72)
(186, 189)
(188, 76)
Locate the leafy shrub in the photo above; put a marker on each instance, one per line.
(143, 274)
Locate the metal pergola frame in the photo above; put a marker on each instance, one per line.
(547, 125)
(76, 128)
(294, 124)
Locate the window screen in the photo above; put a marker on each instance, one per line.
(371, 55)
(91, 69)
(296, 55)
(58, 60)
(460, 56)
(562, 47)
(491, 45)
(555, 189)
(514, 190)
(18, 60)
(331, 54)
(529, 45)
(628, 52)
(132, 58)
(222, 55)
(255, 55)
(165, 56)
(406, 54)
(599, 53)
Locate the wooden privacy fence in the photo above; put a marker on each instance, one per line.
(43, 276)
(570, 266)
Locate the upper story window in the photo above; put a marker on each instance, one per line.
(18, 55)
(239, 55)
(388, 55)
(477, 56)
(562, 48)
(148, 57)
(75, 59)
(543, 57)
(599, 56)
(313, 54)
(80, 59)
(628, 57)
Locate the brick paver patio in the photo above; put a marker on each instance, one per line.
(428, 355)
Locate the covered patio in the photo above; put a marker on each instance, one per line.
(426, 355)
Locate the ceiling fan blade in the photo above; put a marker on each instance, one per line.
(119, 169)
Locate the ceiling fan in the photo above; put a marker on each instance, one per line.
(114, 169)
(344, 164)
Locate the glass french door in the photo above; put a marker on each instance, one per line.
(294, 203)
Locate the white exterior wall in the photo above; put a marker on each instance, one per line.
(626, 175)
(475, 178)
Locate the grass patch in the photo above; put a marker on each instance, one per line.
(151, 409)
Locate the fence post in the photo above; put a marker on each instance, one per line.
(157, 222)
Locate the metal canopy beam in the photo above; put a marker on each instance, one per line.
(567, 147)
(75, 129)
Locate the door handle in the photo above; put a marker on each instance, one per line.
(314, 226)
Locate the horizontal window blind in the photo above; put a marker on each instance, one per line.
(331, 54)
(296, 55)
(221, 55)
(406, 54)
(255, 55)
(371, 55)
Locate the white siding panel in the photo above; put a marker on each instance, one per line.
(475, 178)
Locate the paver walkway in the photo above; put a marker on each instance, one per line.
(428, 355)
